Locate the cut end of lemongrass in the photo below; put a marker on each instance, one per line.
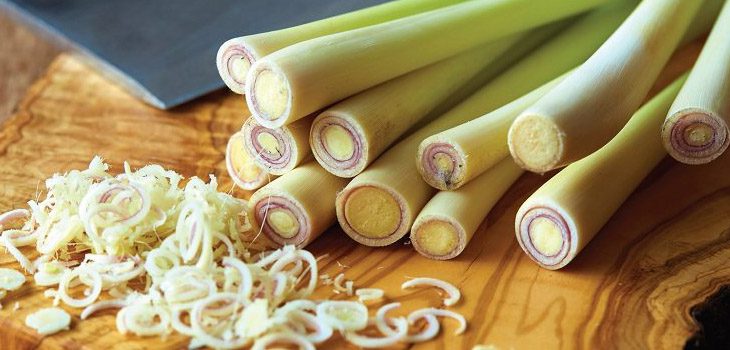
(234, 60)
(545, 236)
(535, 143)
(441, 165)
(371, 215)
(337, 145)
(280, 219)
(272, 148)
(437, 238)
(241, 167)
(338, 142)
(695, 136)
(268, 96)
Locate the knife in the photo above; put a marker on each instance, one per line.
(164, 51)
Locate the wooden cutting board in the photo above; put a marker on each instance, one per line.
(664, 251)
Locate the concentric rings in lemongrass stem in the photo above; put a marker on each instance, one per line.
(696, 128)
(236, 55)
(449, 220)
(297, 207)
(348, 136)
(278, 150)
(592, 104)
(300, 79)
(562, 216)
(242, 169)
(378, 207)
(453, 157)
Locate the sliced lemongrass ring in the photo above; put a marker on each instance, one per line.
(343, 315)
(391, 339)
(454, 295)
(442, 313)
(49, 320)
(280, 337)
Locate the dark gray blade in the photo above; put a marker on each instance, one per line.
(164, 51)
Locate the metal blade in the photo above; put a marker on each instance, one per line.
(164, 51)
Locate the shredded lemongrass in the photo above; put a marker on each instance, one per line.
(350, 288)
(26, 264)
(176, 258)
(450, 289)
(338, 283)
(368, 294)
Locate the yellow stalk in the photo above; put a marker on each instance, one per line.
(348, 136)
(278, 150)
(305, 77)
(560, 218)
(592, 104)
(448, 222)
(378, 207)
(696, 128)
(242, 169)
(297, 207)
(236, 56)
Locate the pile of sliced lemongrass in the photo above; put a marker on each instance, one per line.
(177, 259)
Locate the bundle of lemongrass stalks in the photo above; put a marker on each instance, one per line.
(416, 116)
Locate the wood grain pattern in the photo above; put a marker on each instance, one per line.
(24, 56)
(664, 251)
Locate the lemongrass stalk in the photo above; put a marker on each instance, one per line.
(561, 217)
(348, 136)
(449, 220)
(297, 207)
(590, 106)
(696, 128)
(236, 55)
(241, 167)
(451, 158)
(378, 207)
(703, 21)
(278, 150)
(305, 77)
